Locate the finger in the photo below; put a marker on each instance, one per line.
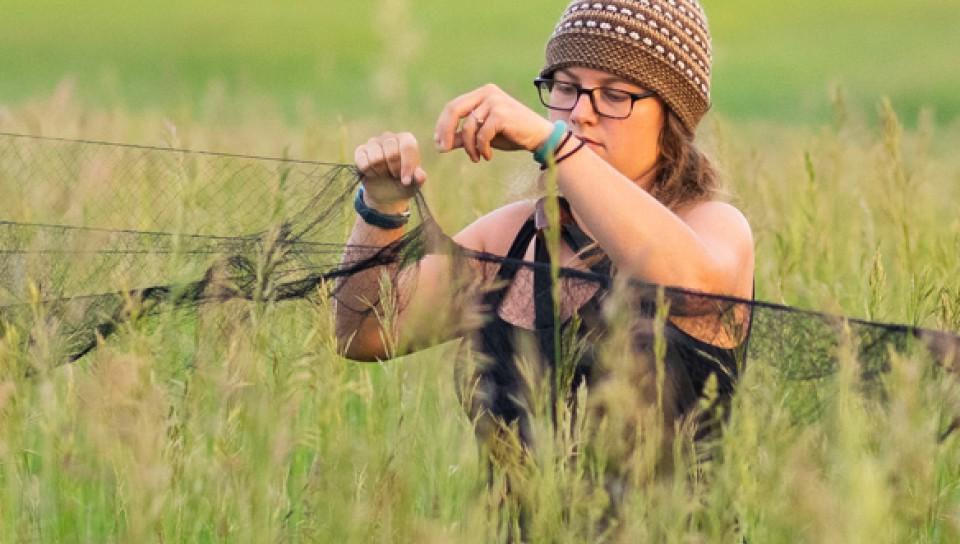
(391, 154)
(481, 114)
(360, 159)
(376, 166)
(473, 122)
(467, 137)
(370, 168)
(485, 136)
(409, 157)
(419, 176)
(452, 113)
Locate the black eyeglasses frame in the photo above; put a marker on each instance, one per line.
(634, 97)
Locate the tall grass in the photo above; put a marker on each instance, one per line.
(241, 424)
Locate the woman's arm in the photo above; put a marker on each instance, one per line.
(707, 247)
(357, 298)
(429, 301)
(371, 304)
(432, 304)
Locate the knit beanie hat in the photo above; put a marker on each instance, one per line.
(661, 45)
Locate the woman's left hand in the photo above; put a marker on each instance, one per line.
(491, 119)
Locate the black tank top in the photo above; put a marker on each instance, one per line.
(689, 362)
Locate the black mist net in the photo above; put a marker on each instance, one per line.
(94, 236)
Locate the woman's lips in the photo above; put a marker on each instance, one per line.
(592, 143)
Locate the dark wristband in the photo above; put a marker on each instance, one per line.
(376, 218)
(569, 154)
(560, 147)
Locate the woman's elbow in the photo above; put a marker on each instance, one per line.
(354, 345)
(705, 277)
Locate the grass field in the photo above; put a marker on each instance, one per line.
(375, 56)
(186, 431)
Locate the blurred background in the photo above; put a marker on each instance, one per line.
(773, 60)
(247, 427)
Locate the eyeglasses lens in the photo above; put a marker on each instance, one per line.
(564, 96)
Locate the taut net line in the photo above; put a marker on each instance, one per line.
(96, 234)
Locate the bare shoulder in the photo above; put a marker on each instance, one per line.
(495, 231)
(718, 219)
(726, 235)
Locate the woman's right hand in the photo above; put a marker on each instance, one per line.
(390, 165)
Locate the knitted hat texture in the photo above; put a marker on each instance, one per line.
(661, 45)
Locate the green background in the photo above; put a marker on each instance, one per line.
(773, 60)
(242, 424)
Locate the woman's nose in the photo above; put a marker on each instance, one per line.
(583, 111)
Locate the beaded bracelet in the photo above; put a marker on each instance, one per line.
(377, 218)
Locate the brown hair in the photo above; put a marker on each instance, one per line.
(684, 173)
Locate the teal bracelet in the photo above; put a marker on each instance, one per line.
(550, 146)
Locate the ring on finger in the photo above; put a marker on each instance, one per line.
(477, 118)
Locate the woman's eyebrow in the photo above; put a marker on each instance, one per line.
(619, 80)
(565, 72)
(603, 82)
(611, 80)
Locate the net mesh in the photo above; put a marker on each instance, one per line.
(95, 235)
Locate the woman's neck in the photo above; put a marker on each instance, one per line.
(646, 179)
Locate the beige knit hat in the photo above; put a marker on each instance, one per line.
(661, 45)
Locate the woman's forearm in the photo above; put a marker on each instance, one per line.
(358, 293)
(643, 237)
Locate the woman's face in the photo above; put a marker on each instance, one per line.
(630, 145)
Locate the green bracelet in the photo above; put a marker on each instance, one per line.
(550, 146)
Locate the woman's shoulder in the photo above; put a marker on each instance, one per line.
(494, 232)
(712, 208)
(717, 216)
(726, 234)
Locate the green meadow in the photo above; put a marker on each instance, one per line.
(773, 61)
(835, 127)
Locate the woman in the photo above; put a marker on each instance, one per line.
(626, 82)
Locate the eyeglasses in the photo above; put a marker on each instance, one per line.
(607, 102)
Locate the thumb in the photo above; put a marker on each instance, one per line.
(457, 142)
(420, 176)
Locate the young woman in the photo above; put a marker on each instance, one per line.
(625, 82)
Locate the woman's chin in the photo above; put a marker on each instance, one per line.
(597, 148)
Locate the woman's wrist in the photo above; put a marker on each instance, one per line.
(545, 133)
(394, 207)
(560, 146)
(377, 217)
(549, 147)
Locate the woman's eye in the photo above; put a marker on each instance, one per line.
(564, 88)
(614, 96)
